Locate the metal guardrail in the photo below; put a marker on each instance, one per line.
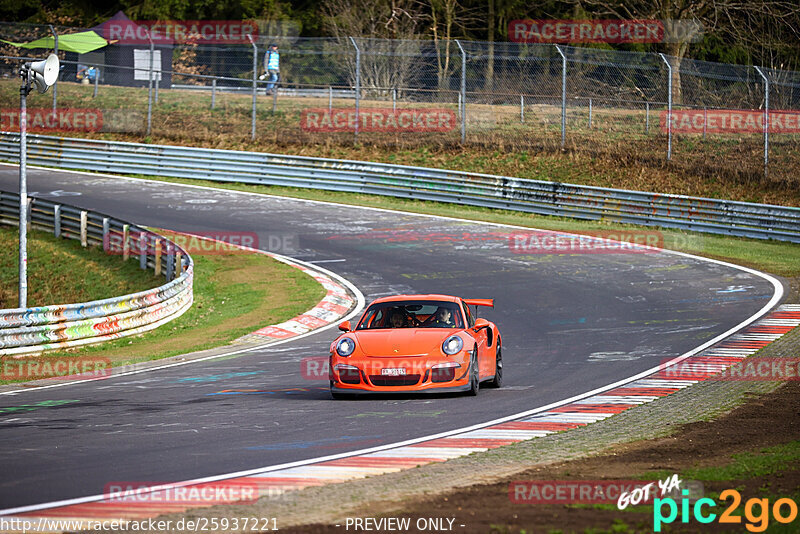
(726, 217)
(33, 330)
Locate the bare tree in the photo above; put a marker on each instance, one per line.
(384, 64)
(743, 20)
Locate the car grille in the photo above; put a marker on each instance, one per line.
(405, 380)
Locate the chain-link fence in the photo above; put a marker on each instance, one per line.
(719, 120)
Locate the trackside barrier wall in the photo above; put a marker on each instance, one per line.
(32, 330)
(732, 218)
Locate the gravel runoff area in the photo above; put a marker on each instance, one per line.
(319, 509)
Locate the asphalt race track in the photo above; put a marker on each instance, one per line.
(570, 323)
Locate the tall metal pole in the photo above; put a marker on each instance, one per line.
(463, 91)
(150, 87)
(255, 87)
(766, 120)
(563, 96)
(55, 51)
(669, 105)
(358, 84)
(23, 188)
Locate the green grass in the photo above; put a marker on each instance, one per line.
(234, 294)
(776, 257)
(615, 152)
(60, 271)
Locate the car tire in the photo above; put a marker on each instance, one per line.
(497, 381)
(474, 377)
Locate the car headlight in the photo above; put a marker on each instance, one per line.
(452, 345)
(345, 347)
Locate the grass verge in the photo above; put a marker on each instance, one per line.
(234, 294)
(60, 271)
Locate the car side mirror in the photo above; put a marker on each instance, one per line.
(480, 323)
(344, 326)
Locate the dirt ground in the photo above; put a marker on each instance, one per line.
(768, 420)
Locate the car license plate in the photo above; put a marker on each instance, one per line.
(393, 372)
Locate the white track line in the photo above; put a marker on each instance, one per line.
(776, 297)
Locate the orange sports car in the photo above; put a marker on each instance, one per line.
(417, 343)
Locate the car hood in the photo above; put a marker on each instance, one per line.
(403, 341)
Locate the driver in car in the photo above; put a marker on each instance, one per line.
(443, 318)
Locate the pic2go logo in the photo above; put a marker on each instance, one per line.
(757, 522)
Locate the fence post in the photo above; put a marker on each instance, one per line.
(126, 246)
(463, 92)
(563, 96)
(669, 105)
(157, 266)
(170, 260)
(84, 224)
(255, 86)
(330, 100)
(394, 99)
(521, 108)
(143, 250)
(705, 121)
(57, 220)
(96, 81)
(213, 93)
(55, 51)
(150, 87)
(358, 85)
(647, 118)
(766, 120)
(106, 237)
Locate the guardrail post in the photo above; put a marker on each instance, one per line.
(213, 93)
(255, 87)
(143, 250)
(84, 221)
(463, 93)
(170, 260)
(126, 246)
(563, 96)
(669, 105)
(157, 268)
(57, 220)
(106, 237)
(766, 120)
(358, 85)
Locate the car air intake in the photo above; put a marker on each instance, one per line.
(404, 380)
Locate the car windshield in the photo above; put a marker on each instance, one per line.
(412, 314)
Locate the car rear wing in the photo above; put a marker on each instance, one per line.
(480, 302)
